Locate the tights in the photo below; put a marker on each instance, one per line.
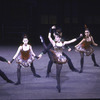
(58, 71)
(82, 60)
(19, 73)
(50, 63)
(3, 75)
(58, 66)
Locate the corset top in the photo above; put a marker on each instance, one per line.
(86, 44)
(59, 47)
(25, 54)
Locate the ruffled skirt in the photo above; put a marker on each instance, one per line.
(58, 57)
(24, 63)
(88, 51)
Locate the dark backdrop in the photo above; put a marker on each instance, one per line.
(35, 17)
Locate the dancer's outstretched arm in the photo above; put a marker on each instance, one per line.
(73, 40)
(93, 42)
(4, 60)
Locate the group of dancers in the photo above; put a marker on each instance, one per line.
(25, 56)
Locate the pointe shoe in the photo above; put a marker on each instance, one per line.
(75, 70)
(36, 75)
(47, 75)
(81, 71)
(96, 65)
(10, 81)
(59, 89)
(17, 83)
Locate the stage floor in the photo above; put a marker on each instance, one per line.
(74, 85)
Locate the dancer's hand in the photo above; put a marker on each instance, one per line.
(40, 55)
(96, 44)
(53, 27)
(9, 62)
(75, 46)
(81, 35)
(36, 57)
(69, 49)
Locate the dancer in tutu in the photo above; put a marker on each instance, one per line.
(57, 53)
(50, 46)
(25, 59)
(85, 48)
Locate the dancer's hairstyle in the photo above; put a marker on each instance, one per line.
(25, 36)
(86, 28)
(59, 34)
(59, 31)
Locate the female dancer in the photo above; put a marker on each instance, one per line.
(84, 47)
(2, 74)
(57, 55)
(47, 50)
(25, 59)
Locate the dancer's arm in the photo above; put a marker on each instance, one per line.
(31, 50)
(93, 42)
(18, 51)
(3, 59)
(33, 54)
(67, 47)
(51, 40)
(73, 40)
(49, 35)
(80, 42)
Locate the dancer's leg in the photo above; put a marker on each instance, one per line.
(82, 62)
(71, 66)
(18, 75)
(94, 60)
(33, 70)
(58, 71)
(3, 75)
(49, 67)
